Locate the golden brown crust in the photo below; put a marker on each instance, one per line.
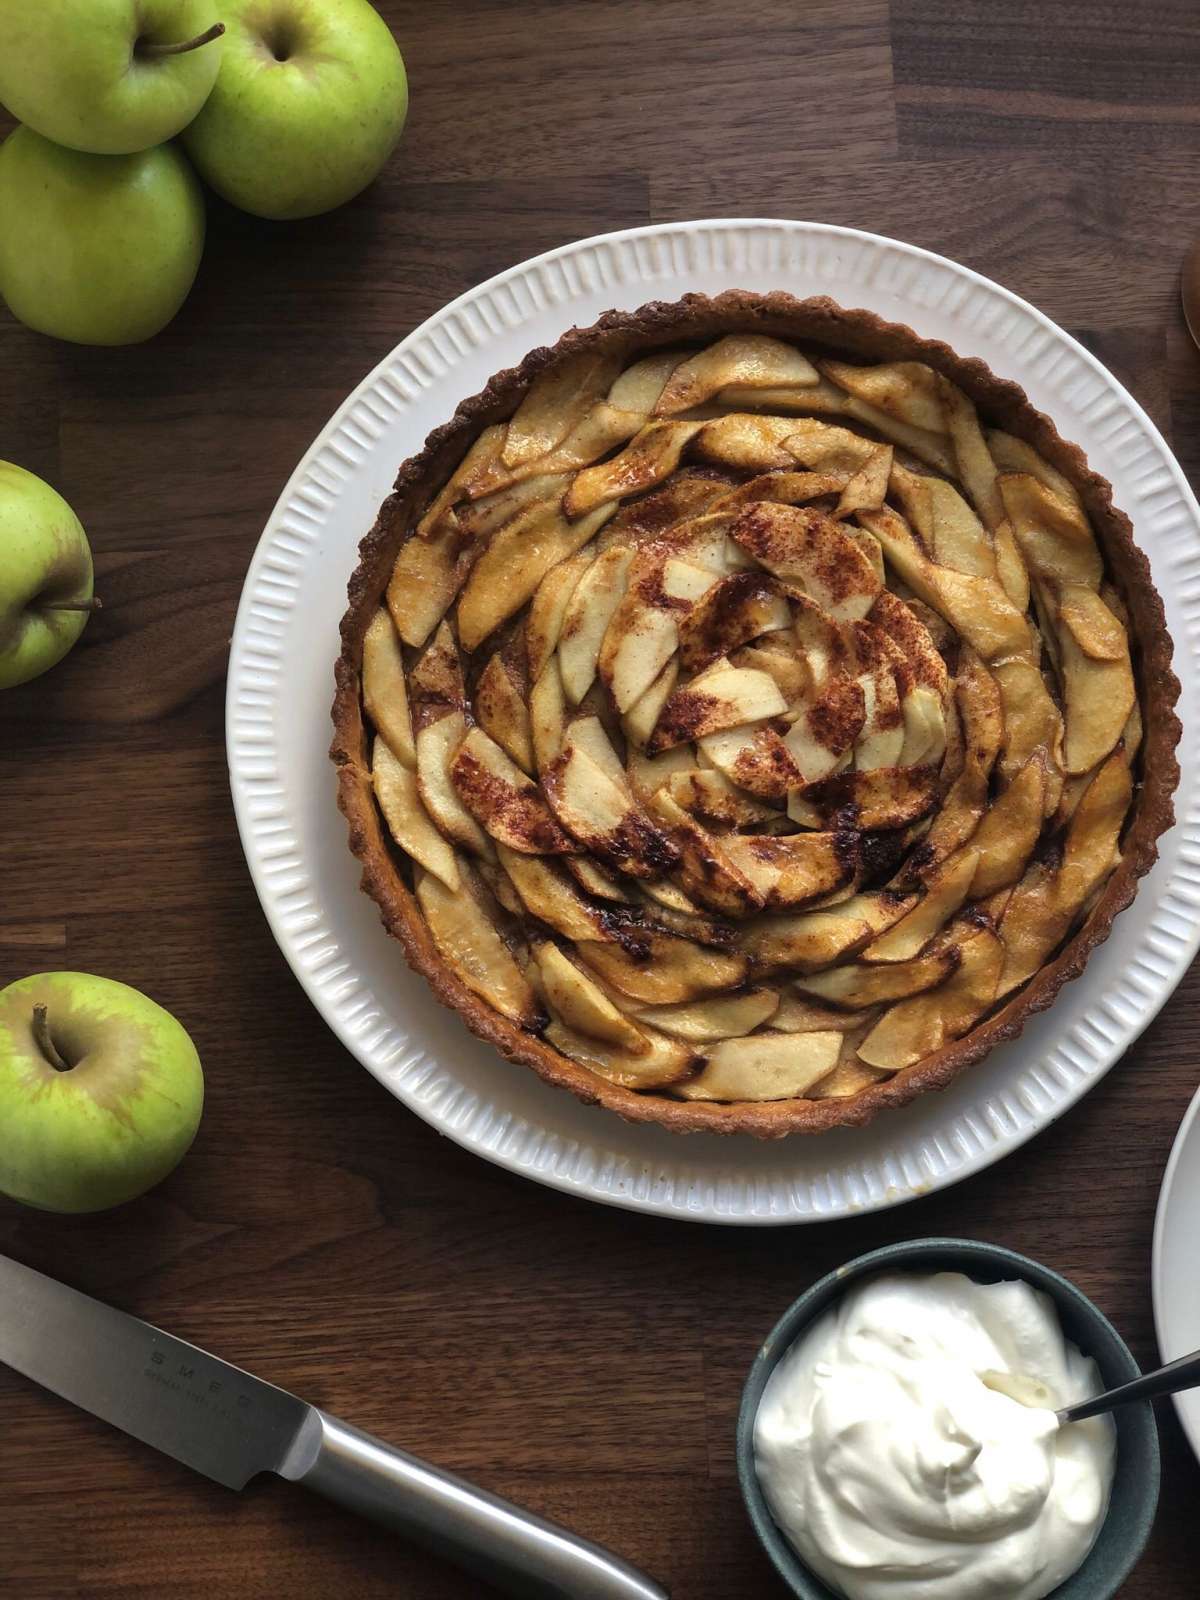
(822, 321)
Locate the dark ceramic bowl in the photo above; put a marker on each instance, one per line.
(1135, 1486)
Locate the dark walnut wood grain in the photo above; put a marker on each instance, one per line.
(584, 1361)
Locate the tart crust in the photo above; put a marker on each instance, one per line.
(822, 321)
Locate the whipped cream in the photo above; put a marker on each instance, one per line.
(899, 1474)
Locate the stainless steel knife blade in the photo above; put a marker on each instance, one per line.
(211, 1416)
(230, 1425)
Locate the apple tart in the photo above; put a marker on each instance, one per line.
(749, 713)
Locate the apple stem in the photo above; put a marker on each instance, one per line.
(156, 50)
(71, 605)
(41, 1037)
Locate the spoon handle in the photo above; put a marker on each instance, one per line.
(1176, 1375)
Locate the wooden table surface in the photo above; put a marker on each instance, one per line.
(584, 1361)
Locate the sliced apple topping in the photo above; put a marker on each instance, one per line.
(787, 488)
(557, 401)
(503, 713)
(917, 1027)
(867, 489)
(385, 695)
(848, 1078)
(663, 1062)
(747, 359)
(753, 758)
(733, 611)
(723, 1017)
(1005, 838)
(425, 579)
(946, 887)
(588, 613)
(905, 389)
(436, 745)
(887, 797)
(817, 939)
(547, 715)
(475, 468)
(798, 1014)
(464, 932)
(507, 804)
(481, 518)
(582, 1003)
(764, 1066)
(1053, 533)
(864, 984)
(548, 894)
(723, 697)
(810, 549)
(709, 795)
(707, 873)
(544, 619)
(650, 456)
(639, 721)
(604, 818)
(792, 871)
(661, 969)
(976, 468)
(746, 443)
(1098, 697)
(407, 820)
(638, 643)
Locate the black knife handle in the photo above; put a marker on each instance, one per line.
(510, 1548)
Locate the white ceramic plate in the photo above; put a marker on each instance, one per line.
(281, 686)
(1175, 1282)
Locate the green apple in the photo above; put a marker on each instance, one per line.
(45, 578)
(108, 76)
(308, 105)
(100, 1092)
(97, 249)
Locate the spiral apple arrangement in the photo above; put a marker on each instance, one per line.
(286, 111)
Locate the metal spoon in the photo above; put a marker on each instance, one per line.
(1189, 291)
(1176, 1375)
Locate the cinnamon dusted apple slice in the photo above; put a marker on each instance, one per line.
(585, 621)
(1047, 901)
(583, 1005)
(683, 583)
(709, 795)
(598, 883)
(639, 386)
(466, 937)
(547, 715)
(1054, 535)
(981, 707)
(888, 797)
(437, 678)
(924, 728)
(749, 360)
(515, 562)
(827, 447)
(548, 893)
(798, 1014)
(808, 548)
(436, 745)
(722, 1017)
(650, 456)
(664, 1061)
(603, 428)
(746, 442)
(385, 696)
(946, 887)
(1014, 455)
(408, 822)
(1097, 698)
(734, 610)
(639, 721)
(480, 518)
(976, 468)
(557, 401)
(1031, 719)
(911, 636)
(904, 389)
(817, 939)
(956, 822)
(544, 620)
(475, 468)
(944, 523)
(425, 579)
(784, 664)
(723, 697)
(764, 1066)
(648, 774)
(863, 984)
(503, 800)
(668, 512)
(754, 758)
(785, 487)
(589, 735)
(881, 738)
(794, 870)
(603, 816)
(867, 489)
(502, 711)
(914, 1028)
(707, 873)
(662, 969)
(1005, 838)
(638, 643)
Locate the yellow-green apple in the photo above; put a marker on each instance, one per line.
(308, 105)
(108, 76)
(45, 578)
(100, 1092)
(97, 249)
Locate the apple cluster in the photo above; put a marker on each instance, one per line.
(285, 109)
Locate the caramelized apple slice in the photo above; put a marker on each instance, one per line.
(947, 886)
(723, 697)
(595, 881)
(1014, 455)
(588, 734)
(603, 817)
(733, 611)
(750, 360)
(709, 795)
(589, 611)
(888, 797)
(467, 941)
(639, 721)
(661, 969)
(944, 522)
(764, 1066)
(544, 620)
(436, 745)
(707, 875)
(1005, 838)
(664, 1062)
(809, 548)
(548, 894)
(904, 389)
(981, 706)
(1053, 534)
(436, 681)
(794, 870)
(798, 1014)
(723, 1017)
(957, 820)
(637, 645)
(502, 712)
(480, 518)
(639, 386)
(849, 1077)
(1098, 697)
(788, 488)
(1031, 720)
(650, 456)
(755, 759)
(1091, 624)
(825, 730)
(502, 798)
(912, 1029)
(1010, 567)
(425, 579)
(976, 468)
(861, 984)
(817, 939)
(407, 820)
(583, 1005)
(746, 442)
(515, 562)
(909, 632)
(547, 715)
(867, 489)
(385, 697)
(476, 467)
(557, 401)
(924, 728)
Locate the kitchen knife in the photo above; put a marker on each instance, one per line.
(231, 1426)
